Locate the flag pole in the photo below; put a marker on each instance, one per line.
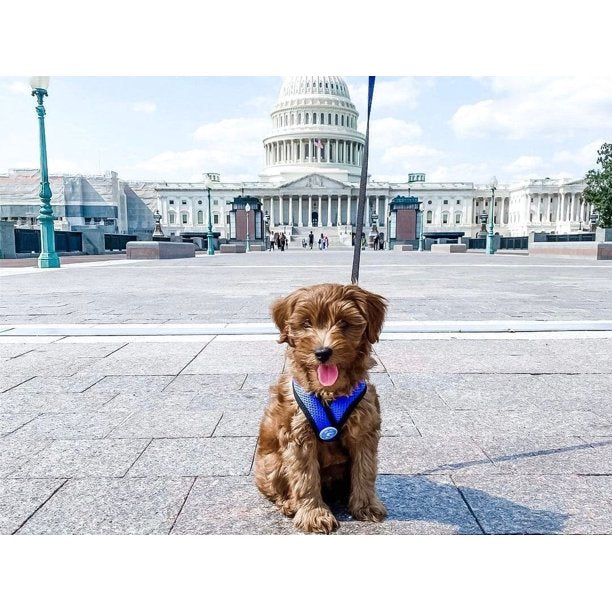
(362, 189)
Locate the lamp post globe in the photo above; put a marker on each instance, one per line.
(48, 258)
(210, 250)
(490, 249)
(247, 208)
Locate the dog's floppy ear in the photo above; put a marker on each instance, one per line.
(281, 310)
(373, 308)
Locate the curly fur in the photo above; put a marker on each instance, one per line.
(293, 468)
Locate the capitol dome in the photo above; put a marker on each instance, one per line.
(314, 130)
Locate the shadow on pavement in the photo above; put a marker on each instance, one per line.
(418, 498)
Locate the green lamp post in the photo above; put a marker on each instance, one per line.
(490, 234)
(209, 236)
(247, 208)
(48, 258)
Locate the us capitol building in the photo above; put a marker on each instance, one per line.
(312, 155)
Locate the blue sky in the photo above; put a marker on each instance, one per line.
(176, 128)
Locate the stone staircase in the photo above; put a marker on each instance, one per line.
(338, 236)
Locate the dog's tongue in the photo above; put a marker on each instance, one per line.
(328, 374)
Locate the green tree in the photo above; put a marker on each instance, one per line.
(598, 191)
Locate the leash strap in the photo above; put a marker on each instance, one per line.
(325, 420)
(362, 189)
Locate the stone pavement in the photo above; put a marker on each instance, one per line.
(139, 434)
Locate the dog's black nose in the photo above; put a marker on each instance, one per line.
(323, 353)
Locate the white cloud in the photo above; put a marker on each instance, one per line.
(144, 107)
(391, 132)
(232, 147)
(524, 163)
(461, 172)
(585, 157)
(538, 107)
(18, 87)
(399, 94)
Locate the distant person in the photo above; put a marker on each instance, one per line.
(381, 241)
(376, 242)
(327, 242)
(303, 243)
(282, 242)
(286, 240)
(271, 247)
(321, 243)
(311, 239)
(363, 242)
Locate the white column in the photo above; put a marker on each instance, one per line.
(281, 219)
(300, 219)
(309, 143)
(309, 220)
(329, 211)
(386, 210)
(348, 210)
(271, 209)
(320, 220)
(339, 210)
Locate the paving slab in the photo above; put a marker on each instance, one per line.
(148, 359)
(14, 452)
(73, 425)
(431, 455)
(82, 458)
(229, 505)
(130, 384)
(10, 422)
(196, 383)
(10, 381)
(77, 383)
(121, 506)
(235, 423)
(532, 454)
(508, 422)
(21, 498)
(50, 402)
(168, 423)
(521, 504)
(196, 457)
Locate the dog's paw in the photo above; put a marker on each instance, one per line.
(373, 511)
(315, 520)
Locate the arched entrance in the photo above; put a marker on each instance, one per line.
(315, 218)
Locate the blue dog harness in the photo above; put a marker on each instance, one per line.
(328, 420)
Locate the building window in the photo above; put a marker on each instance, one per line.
(171, 218)
(216, 219)
(445, 217)
(429, 202)
(215, 202)
(458, 218)
(184, 202)
(184, 218)
(329, 119)
(429, 216)
(314, 118)
(307, 118)
(171, 202)
(459, 202)
(336, 119)
(446, 202)
(200, 202)
(322, 119)
(342, 120)
(200, 217)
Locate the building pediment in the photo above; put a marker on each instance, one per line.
(315, 181)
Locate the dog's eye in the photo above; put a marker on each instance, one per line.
(306, 324)
(342, 324)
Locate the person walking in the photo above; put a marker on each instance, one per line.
(326, 242)
(286, 241)
(311, 239)
(376, 242)
(282, 242)
(271, 247)
(381, 241)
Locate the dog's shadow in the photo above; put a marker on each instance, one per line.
(419, 499)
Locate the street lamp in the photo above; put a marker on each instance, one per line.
(48, 258)
(209, 236)
(490, 235)
(247, 208)
(421, 233)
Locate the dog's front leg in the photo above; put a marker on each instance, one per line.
(302, 470)
(364, 504)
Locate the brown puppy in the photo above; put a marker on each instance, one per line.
(329, 330)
